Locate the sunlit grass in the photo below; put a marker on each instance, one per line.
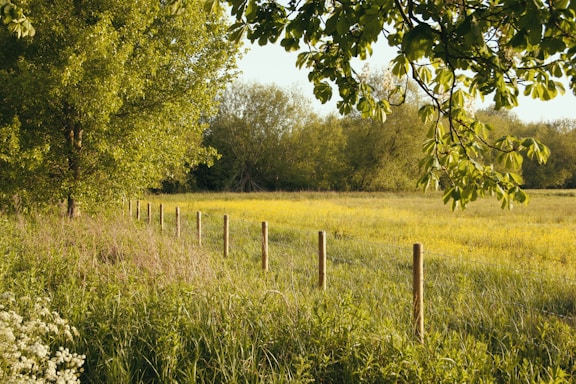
(539, 236)
(153, 308)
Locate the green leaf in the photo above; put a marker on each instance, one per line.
(344, 107)
(444, 79)
(342, 26)
(212, 6)
(521, 196)
(323, 91)
(469, 193)
(425, 74)
(535, 33)
(552, 45)
(427, 113)
(251, 10)
(480, 128)
(519, 41)
(458, 97)
(516, 178)
(512, 160)
(303, 59)
(447, 195)
(418, 42)
(401, 66)
(381, 110)
(236, 32)
(290, 44)
(363, 105)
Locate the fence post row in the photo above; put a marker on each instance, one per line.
(417, 268)
(418, 292)
(265, 246)
(322, 260)
(226, 236)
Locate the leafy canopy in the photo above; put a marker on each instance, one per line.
(253, 132)
(108, 98)
(455, 50)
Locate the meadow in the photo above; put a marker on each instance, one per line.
(152, 308)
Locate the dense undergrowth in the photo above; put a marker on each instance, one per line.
(150, 308)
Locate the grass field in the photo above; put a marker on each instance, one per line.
(150, 308)
(539, 236)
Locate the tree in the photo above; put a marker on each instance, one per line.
(320, 156)
(385, 155)
(560, 171)
(252, 133)
(559, 136)
(109, 98)
(455, 51)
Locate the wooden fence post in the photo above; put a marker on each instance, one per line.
(137, 210)
(149, 213)
(161, 214)
(199, 228)
(226, 236)
(265, 246)
(418, 292)
(178, 222)
(322, 260)
(129, 208)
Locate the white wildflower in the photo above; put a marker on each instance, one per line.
(25, 355)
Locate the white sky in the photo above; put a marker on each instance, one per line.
(271, 64)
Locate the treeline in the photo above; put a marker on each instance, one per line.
(268, 138)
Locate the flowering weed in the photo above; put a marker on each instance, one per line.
(32, 343)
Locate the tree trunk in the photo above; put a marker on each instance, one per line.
(74, 149)
(72, 210)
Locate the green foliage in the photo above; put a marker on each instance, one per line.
(254, 133)
(455, 52)
(268, 139)
(560, 170)
(108, 99)
(559, 136)
(13, 17)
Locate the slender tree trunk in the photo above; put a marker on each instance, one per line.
(74, 149)
(72, 210)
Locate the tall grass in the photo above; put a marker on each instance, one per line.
(154, 309)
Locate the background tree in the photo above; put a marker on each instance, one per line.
(321, 156)
(559, 136)
(384, 155)
(454, 50)
(251, 132)
(108, 98)
(560, 170)
(269, 139)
